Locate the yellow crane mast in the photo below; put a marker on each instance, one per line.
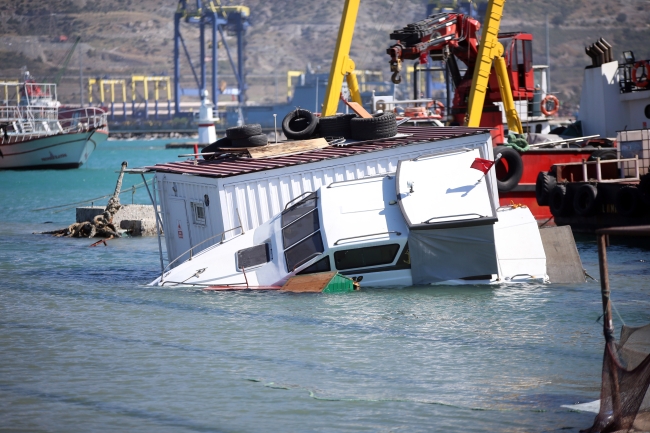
(491, 52)
(342, 65)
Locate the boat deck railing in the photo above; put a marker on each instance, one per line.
(598, 162)
(191, 250)
(29, 122)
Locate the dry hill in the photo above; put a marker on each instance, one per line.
(124, 37)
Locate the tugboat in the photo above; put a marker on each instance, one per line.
(36, 134)
(612, 187)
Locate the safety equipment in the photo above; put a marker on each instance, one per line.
(643, 79)
(550, 99)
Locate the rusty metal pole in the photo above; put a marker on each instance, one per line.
(608, 326)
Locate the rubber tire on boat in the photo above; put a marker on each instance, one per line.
(603, 154)
(585, 200)
(336, 126)
(628, 201)
(560, 201)
(299, 124)
(515, 168)
(543, 187)
(222, 142)
(252, 141)
(380, 125)
(244, 131)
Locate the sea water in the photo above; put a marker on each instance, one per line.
(86, 345)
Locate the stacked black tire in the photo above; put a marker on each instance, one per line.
(247, 136)
(336, 126)
(238, 136)
(302, 124)
(380, 125)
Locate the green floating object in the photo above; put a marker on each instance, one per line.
(322, 282)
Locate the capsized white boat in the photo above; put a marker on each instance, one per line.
(36, 134)
(432, 220)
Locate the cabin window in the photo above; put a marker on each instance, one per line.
(198, 213)
(528, 55)
(301, 232)
(323, 265)
(299, 209)
(303, 251)
(365, 257)
(300, 228)
(253, 256)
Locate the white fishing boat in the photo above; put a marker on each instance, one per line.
(35, 133)
(395, 212)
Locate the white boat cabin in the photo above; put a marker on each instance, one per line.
(398, 212)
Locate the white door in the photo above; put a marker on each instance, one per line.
(178, 235)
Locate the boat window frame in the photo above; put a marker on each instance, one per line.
(311, 196)
(269, 255)
(396, 256)
(285, 247)
(196, 219)
(298, 264)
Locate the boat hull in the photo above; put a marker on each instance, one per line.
(60, 151)
(534, 161)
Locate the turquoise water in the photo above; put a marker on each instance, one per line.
(85, 345)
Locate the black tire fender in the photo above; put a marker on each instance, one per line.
(585, 200)
(561, 201)
(628, 201)
(252, 141)
(244, 131)
(222, 142)
(543, 187)
(508, 178)
(603, 154)
(299, 124)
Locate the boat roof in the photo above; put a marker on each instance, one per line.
(236, 165)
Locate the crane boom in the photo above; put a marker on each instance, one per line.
(64, 65)
(490, 50)
(342, 64)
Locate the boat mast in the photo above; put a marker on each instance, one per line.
(81, 79)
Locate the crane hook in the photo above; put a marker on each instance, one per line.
(396, 77)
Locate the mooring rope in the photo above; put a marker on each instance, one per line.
(71, 205)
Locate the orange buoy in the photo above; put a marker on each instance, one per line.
(552, 99)
(643, 79)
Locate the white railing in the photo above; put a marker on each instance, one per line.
(29, 122)
(598, 162)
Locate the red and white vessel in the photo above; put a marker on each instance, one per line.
(35, 133)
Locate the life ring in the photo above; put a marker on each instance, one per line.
(643, 80)
(550, 99)
(439, 107)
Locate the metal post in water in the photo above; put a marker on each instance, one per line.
(608, 325)
(81, 80)
(158, 223)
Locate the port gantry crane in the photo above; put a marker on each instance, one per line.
(454, 36)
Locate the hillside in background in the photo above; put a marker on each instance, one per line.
(124, 37)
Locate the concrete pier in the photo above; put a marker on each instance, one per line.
(134, 219)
